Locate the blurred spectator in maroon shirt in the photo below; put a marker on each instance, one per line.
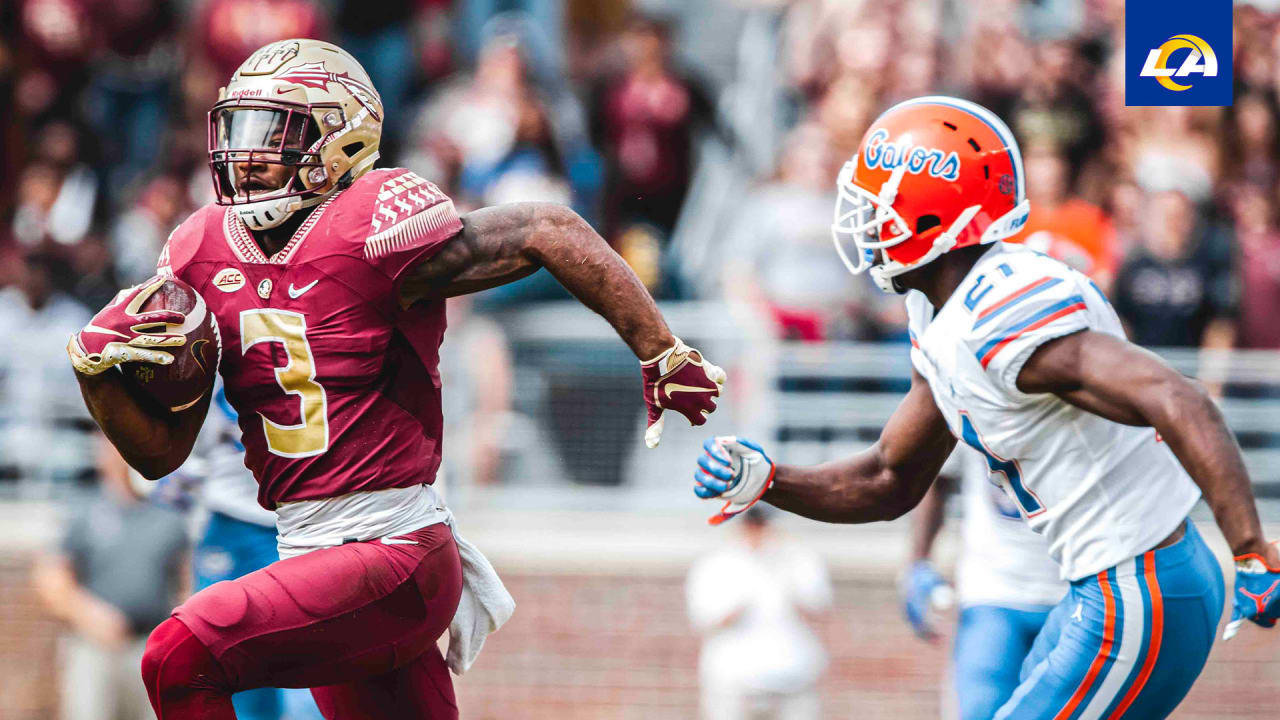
(643, 121)
(225, 32)
(1251, 143)
(56, 42)
(1258, 241)
(228, 30)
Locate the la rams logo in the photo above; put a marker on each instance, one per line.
(1200, 60)
(880, 153)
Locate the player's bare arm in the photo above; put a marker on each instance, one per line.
(498, 245)
(882, 482)
(501, 244)
(152, 440)
(1125, 383)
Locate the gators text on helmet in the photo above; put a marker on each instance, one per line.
(932, 174)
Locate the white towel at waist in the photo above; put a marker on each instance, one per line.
(315, 524)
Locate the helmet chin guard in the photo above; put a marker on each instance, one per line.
(271, 212)
(931, 175)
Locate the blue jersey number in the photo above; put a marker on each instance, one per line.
(1027, 501)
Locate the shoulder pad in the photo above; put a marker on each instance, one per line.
(1013, 313)
(185, 240)
(396, 209)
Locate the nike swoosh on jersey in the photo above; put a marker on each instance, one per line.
(296, 293)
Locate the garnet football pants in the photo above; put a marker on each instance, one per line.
(1127, 642)
(356, 623)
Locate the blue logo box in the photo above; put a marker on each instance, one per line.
(1178, 52)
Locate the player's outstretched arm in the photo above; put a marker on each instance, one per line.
(498, 245)
(504, 243)
(881, 483)
(1120, 381)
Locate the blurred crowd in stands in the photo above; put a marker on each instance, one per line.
(701, 139)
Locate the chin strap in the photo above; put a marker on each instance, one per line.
(884, 274)
(888, 193)
(948, 239)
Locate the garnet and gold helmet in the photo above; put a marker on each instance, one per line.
(932, 174)
(300, 103)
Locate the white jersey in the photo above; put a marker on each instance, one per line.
(217, 465)
(1100, 492)
(1002, 562)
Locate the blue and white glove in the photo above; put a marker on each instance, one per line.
(734, 469)
(1257, 595)
(924, 590)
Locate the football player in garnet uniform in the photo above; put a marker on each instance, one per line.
(327, 279)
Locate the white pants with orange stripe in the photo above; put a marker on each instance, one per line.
(1127, 642)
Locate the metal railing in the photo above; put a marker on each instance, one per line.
(580, 414)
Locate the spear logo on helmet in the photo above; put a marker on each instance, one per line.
(316, 75)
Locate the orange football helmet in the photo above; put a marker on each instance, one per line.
(932, 174)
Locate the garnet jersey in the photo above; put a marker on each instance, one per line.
(1100, 492)
(336, 384)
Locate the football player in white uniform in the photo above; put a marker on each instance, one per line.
(1006, 585)
(1103, 447)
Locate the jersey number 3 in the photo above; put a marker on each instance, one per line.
(1027, 500)
(311, 436)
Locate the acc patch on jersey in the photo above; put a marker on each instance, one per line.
(407, 210)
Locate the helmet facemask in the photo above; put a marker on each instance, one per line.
(862, 218)
(248, 135)
(303, 104)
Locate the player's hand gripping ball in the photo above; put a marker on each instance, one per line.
(733, 469)
(161, 335)
(679, 379)
(1257, 594)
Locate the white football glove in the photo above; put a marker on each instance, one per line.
(734, 469)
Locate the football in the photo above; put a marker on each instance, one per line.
(184, 382)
